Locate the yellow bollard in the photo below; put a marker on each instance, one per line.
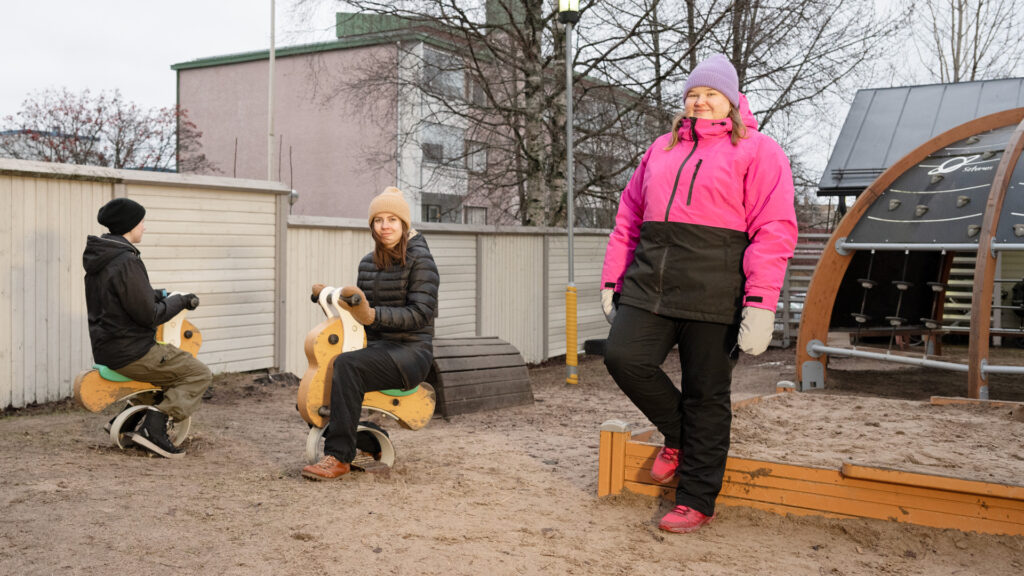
(571, 347)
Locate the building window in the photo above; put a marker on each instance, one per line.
(477, 96)
(433, 153)
(431, 213)
(474, 215)
(476, 157)
(441, 144)
(442, 73)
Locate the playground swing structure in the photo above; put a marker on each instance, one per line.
(886, 268)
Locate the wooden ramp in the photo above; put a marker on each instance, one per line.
(853, 491)
(474, 374)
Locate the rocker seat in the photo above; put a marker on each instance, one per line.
(109, 374)
(400, 392)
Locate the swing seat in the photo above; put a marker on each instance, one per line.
(896, 321)
(867, 283)
(937, 287)
(902, 285)
(931, 323)
(861, 318)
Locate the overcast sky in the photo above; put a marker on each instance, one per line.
(131, 44)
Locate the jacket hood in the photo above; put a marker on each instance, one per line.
(102, 250)
(746, 115)
(417, 241)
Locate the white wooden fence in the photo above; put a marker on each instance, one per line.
(218, 237)
(232, 243)
(507, 282)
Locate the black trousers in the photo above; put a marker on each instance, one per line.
(355, 373)
(696, 419)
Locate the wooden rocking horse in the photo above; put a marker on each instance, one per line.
(337, 334)
(100, 387)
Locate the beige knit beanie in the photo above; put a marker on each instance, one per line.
(391, 200)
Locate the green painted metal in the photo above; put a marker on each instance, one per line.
(109, 374)
(397, 392)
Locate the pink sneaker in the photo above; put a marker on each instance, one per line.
(683, 519)
(665, 464)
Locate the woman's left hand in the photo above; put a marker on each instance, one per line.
(362, 311)
(756, 330)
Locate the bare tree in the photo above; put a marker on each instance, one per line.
(632, 59)
(102, 130)
(966, 40)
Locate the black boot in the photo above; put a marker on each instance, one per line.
(152, 435)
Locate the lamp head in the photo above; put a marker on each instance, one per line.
(568, 11)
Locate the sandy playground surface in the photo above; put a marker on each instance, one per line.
(511, 491)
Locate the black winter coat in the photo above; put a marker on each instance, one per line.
(405, 300)
(124, 310)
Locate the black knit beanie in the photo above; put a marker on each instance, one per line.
(120, 215)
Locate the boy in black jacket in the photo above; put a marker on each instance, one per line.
(124, 312)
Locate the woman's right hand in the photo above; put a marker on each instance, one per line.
(608, 304)
(362, 311)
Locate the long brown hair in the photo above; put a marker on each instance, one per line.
(384, 257)
(739, 130)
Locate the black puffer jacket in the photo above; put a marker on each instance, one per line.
(405, 300)
(124, 310)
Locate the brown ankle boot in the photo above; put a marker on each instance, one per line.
(328, 468)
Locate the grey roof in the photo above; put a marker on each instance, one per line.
(884, 124)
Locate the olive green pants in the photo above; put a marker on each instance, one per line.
(182, 378)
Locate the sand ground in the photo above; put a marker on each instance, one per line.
(510, 491)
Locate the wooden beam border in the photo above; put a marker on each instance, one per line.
(852, 491)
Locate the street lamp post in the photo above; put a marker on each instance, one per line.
(270, 98)
(569, 14)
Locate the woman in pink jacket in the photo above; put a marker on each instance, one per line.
(703, 234)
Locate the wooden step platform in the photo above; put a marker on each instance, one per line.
(474, 374)
(853, 491)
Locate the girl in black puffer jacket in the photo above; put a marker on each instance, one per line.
(398, 283)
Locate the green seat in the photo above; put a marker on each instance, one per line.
(397, 392)
(109, 374)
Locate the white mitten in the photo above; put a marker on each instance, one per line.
(756, 330)
(608, 304)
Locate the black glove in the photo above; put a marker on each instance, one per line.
(191, 301)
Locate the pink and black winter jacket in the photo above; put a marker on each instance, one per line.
(705, 228)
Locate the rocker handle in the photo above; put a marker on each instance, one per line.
(314, 296)
(315, 293)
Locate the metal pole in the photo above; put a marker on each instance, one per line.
(569, 143)
(987, 368)
(815, 348)
(571, 345)
(843, 247)
(270, 101)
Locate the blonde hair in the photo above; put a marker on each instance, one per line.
(739, 130)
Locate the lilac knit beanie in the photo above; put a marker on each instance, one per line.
(716, 72)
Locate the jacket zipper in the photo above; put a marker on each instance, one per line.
(675, 185)
(689, 195)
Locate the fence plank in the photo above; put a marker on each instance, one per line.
(6, 291)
